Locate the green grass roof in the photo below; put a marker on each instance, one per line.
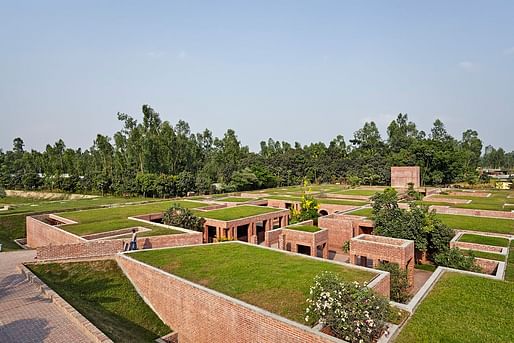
(109, 219)
(306, 228)
(236, 212)
(463, 308)
(270, 279)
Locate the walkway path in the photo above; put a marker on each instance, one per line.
(26, 315)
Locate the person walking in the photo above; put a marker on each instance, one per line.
(133, 240)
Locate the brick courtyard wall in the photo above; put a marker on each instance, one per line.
(382, 285)
(101, 248)
(272, 236)
(446, 200)
(402, 176)
(471, 194)
(342, 228)
(488, 266)
(41, 234)
(332, 208)
(379, 248)
(200, 315)
(472, 212)
(348, 196)
(475, 246)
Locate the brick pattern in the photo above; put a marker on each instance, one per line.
(41, 234)
(200, 315)
(291, 238)
(402, 176)
(52, 242)
(472, 212)
(488, 266)
(85, 325)
(342, 228)
(475, 246)
(381, 248)
(25, 314)
(102, 248)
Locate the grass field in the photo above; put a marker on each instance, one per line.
(365, 212)
(487, 240)
(108, 219)
(306, 228)
(269, 279)
(236, 199)
(320, 200)
(494, 225)
(12, 222)
(495, 202)
(236, 212)
(364, 192)
(38, 206)
(485, 254)
(509, 271)
(463, 308)
(101, 292)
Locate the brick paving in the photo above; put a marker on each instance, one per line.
(25, 314)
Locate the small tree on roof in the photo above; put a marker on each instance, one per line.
(183, 218)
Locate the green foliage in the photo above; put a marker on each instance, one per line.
(2, 192)
(183, 217)
(412, 194)
(353, 312)
(308, 210)
(153, 157)
(346, 247)
(454, 258)
(399, 281)
(418, 224)
(104, 295)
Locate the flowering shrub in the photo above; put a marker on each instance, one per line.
(352, 311)
(308, 210)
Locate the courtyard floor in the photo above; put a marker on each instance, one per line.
(26, 315)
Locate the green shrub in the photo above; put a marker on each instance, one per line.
(399, 281)
(308, 210)
(346, 247)
(2, 192)
(183, 218)
(351, 311)
(454, 258)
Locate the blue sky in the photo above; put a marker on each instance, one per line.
(291, 70)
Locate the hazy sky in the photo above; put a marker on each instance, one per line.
(291, 70)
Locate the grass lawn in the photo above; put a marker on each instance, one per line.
(365, 192)
(495, 202)
(487, 240)
(39, 206)
(321, 200)
(100, 291)
(495, 225)
(463, 308)
(236, 199)
(272, 280)
(365, 212)
(236, 212)
(12, 222)
(509, 271)
(306, 228)
(485, 254)
(108, 219)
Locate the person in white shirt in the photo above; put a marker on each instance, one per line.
(133, 240)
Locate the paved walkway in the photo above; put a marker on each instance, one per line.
(26, 315)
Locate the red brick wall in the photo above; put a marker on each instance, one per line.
(402, 176)
(340, 229)
(200, 315)
(472, 212)
(41, 234)
(101, 248)
(382, 285)
(475, 246)
(488, 266)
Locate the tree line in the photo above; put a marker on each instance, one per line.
(153, 157)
